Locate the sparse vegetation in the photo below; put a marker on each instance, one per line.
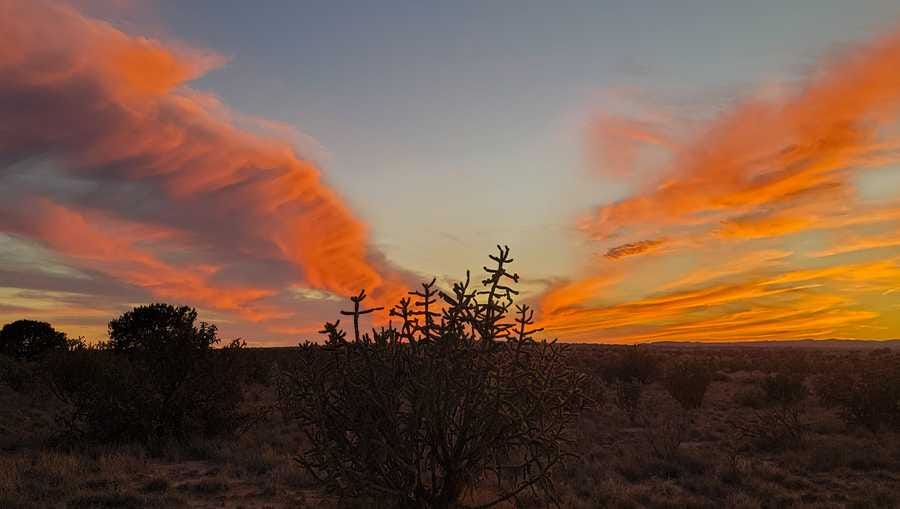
(157, 378)
(456, 392)
(868, 399)
(778, 420)
(455, 396)
(687, 381)
(627, 374)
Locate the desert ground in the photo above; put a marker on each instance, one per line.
(735, 450)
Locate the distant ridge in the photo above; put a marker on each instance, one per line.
(839, 344)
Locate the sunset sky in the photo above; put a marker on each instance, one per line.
(703, 171)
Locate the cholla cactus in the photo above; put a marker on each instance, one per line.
(457, 394)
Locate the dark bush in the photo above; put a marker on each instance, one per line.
(30, 340)
(627, 373)
(14, 374)
(160, 330)
(627, 397)
(777, 417)
(750, 397)
(454, 396)
(870, 399)
(634, 364)
(157, 378)
(784, 388)
(687, 381)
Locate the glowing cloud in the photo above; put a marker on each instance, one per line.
(101, 128)
(633, 248)
(760, 187)
(774, 153)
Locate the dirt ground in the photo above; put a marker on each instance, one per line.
(617, 462)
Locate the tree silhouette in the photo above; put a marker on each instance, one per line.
(30, 339)
(160, 329)
(157, 378)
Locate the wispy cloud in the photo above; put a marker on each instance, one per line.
(149, 182)
(633, 248)
(748, 198)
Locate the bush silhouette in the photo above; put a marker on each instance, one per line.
(870, 399)
(30, 340)
(635, 364)
(158, 377)
(160, 330)
(687, 381)
(777, 418)
(784, 388)
(628, 373)
(454, 395)
(15, 374)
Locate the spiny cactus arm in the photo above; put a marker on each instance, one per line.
(428, 296)
(357, 312)
(409, 325)
(525, 318)
(335, 335)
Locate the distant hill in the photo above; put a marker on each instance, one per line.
(841, 344)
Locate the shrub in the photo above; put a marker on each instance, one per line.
(665, 424)
(870, 399)
(627, 397)
(30, 340)
(627, 373)
(784, 389)
(687, 381)
(99, 391)
(157, 378)
(750, 397)
(14, 374)
(635, 364)
(776, 419)
(453, 396)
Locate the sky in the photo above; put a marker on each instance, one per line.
(705, 171)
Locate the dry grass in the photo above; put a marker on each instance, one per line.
(832, 466)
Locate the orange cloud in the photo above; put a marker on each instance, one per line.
(112, 246)
(733, 266)
(768, 307)
(575, 293)
(860, 243)
(739, 193)
(129, 142)
(767, 153)
(633, 248)
(616, 143)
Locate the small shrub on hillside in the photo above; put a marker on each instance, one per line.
(870, 399)
(454, 396)
(784, 389)
(777, 418)
(157, 378)
(687, 381)
(634, 364)
(665, 423)
(667, 418)
(793, 363)
(750, 397)
(627, 397)
(30, 340)
(627, 374)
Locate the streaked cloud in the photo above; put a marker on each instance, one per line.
(633, 248)
(749, 199)
(115, 164)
